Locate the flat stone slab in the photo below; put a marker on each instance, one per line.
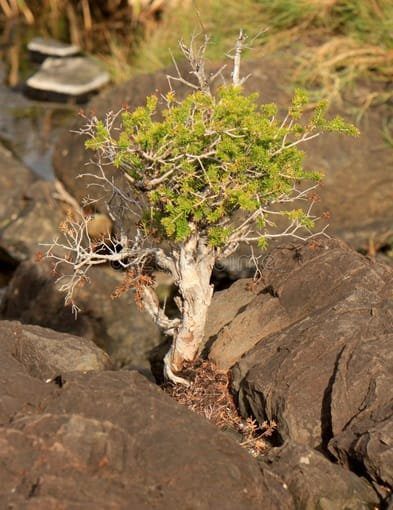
(72, 76)
(52, 47)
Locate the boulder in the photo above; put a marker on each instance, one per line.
(112, 440)
(316, 482)
(227, 304)
(30, 355)
(362, 409)
(333, 300)
(360, 210)
(15, 181)
(116, 441)
(321, 367)
(118, 326)
(18, 389)
(33, 225)
(45, 353)
(296, 281)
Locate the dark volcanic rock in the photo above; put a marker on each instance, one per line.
(45, 353)
(361, 209)
(29, 355)
(322, 368)
(362, 409)
(108, 439)
(334, 299)
(18, 389)
(297, 281)
(117, 326)
(229, 303)
(15, 180)
(114, 440)
(35, 223)
(315, 482)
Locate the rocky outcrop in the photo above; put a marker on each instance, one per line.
(362, 409)
(320, 321)
(316, 482)
(330, 302)
(36, 223)
(321, 368)
(111, 440)
(360, 209)
(298, 283)
(31, 355)
(45, 353)
(29, 215)
(15, 180)
(117, 326)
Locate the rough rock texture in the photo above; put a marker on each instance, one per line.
(334, 299)
(296, 283)
(321, 322)
(34, 220)
(226, 306)
(360, 209)
(117, 326)
(315, 482)
(45, 353)
(362, 409)
(15, 180)
(18, 389)
(29, 355)
(112, 440)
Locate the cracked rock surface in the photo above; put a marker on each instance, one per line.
(313, 351)
(109, 439)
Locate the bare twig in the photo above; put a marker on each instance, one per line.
(237, 58)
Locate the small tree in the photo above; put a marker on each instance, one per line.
(213, 171)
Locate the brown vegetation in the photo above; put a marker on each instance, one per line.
(210, 397)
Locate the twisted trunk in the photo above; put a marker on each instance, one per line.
(191, 268)
(194, 267)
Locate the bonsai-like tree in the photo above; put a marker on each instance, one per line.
(206, 174)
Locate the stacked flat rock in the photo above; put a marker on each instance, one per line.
(70, 76)
(41, 48)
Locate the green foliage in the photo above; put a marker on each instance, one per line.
(208, 157)
(101, 135)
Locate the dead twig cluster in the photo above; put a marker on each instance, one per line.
(135, 281)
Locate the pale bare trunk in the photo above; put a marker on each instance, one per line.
(194, 266)
(191, 268)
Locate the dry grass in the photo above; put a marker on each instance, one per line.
(334, 42)
(339, 61)
(209, 396)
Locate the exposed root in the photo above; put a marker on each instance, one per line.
(169, 373)
(208, 395)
